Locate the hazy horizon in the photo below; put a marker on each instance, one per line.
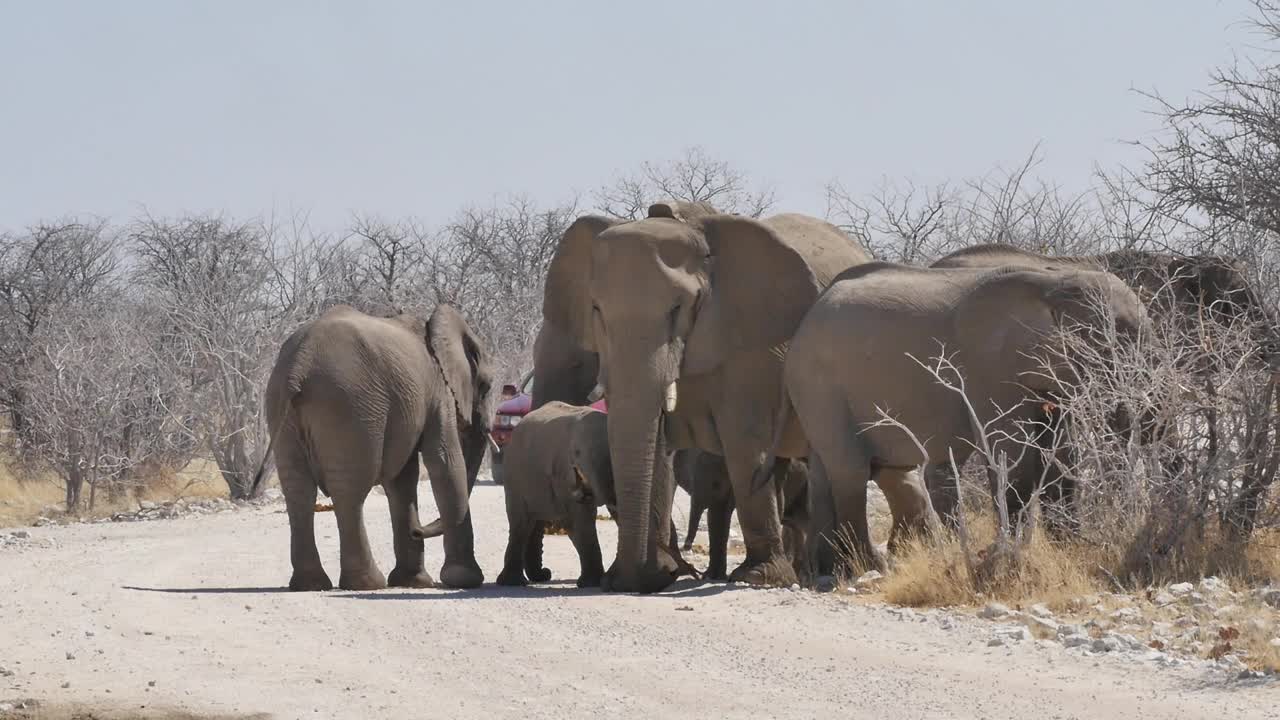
(420, 109)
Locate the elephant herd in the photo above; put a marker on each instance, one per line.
(752, 362)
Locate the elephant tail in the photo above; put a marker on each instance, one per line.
(289, 403)
(770, 468)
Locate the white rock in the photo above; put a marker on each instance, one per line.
(1041, 610)
(995, 611)
(1180, 589)
(1275, 642)
(1270, 596)
(795, 587)
(1226, 610)
(21, 534)
(1014, 633)
(996, 642)
(1042, 623)
(1164, 597)
(947, 623)
(868, 578)
(1127, 615)
(1128, 642)
(1068, 629)
(1072, 641)
(1214, 585)
(1106, 644)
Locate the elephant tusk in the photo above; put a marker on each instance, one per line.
(596, 393)
(672, 397)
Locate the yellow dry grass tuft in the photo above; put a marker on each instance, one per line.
(933, 572)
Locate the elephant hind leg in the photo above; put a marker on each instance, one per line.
(359, 570)
(533, 554)
(909, 504)
(517, 538)
(299, 491)
(402, 500)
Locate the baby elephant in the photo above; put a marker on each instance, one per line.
(557, 470)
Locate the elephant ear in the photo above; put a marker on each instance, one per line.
(566, 301)
(759, 288)
(463, 362)
(681, 210)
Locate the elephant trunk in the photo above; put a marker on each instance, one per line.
(644, 392)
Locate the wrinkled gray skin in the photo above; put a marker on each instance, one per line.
(705, 304)
(849, 357)
(351, 403)
(1188, 289)
(705, 477)
(558, 472)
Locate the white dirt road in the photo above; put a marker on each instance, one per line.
(189, 615)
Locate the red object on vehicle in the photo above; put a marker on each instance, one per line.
(508, 415)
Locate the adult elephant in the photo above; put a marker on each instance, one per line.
(564, 369)
(1183, 291)
(689, 317)
(849, 361)
(351, 403)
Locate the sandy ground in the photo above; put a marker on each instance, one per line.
(146, 619)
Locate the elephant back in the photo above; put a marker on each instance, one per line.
(825, 248)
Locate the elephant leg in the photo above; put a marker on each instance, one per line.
(402, 500)
(582, 532)
(695, 518)
(447, 471)
(719, 517)
(822, 523)
(533, 554)
(944, 492)
(300, 501)
(849, 471)
(517, 538)
(359, 571)
(908, 503)
(766, 562)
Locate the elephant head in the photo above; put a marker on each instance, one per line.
(589, 456)
(659, 299)
(466, 373)
(563, 369)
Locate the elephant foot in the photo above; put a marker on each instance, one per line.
(512, 577)
(643, 581)
(687, 547)
(716, 571)
(365, 580)
(415, 578)
(774, 572)
(463, 576)
(310, 582)
(590, 580)
(538, 574)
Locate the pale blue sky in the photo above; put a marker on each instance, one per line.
(421, 107)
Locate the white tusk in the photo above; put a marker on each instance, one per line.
(596, 393)
(672, 395)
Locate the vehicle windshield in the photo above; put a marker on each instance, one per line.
(526, 385)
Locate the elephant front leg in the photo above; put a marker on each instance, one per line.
(695, 518)
(402, 500)
(460, 569)
(359, 571)
(766, 562)
(300, 502)
(582, 532)
(517, 537)
(719, 518)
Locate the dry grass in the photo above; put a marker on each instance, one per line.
(929, 573)
(1079, 583)
(25, 496)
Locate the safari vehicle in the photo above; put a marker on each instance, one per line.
(508, 415)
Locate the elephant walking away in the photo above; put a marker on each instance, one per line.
(351, 403)
(688, 317)
(558, 471)
(849, 360)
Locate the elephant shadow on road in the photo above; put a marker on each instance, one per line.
(556, 588)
